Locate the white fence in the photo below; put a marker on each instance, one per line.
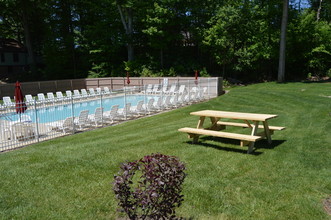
(53, 115)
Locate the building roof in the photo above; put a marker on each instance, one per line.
(11, 45)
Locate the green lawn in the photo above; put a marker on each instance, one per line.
(70, 177)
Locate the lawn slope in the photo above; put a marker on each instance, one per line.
(70, 177)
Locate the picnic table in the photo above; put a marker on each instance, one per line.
(250, 120)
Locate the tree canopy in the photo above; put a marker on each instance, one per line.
(237, 39)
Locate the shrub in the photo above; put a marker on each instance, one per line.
(153, 194)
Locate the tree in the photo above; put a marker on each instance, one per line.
(126, 13)
(17, 18)
(282, 47)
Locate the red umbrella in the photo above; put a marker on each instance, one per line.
(127, 78)
(19, 100)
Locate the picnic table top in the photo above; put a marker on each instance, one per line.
(234, 115)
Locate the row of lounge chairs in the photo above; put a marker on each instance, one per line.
(51, 98)
(85, 120)
(157, 89)
(90, 93)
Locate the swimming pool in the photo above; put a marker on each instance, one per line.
(60, 112)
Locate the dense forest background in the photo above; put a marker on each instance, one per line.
(230, 38)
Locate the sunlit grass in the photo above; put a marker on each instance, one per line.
(70, 177)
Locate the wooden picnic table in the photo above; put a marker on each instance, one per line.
(251, 121)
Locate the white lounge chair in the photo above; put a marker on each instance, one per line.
(181, 90)
(155, 88)
(158, 105)
(106, 90)
(167, 103)
(138, 109)
(182, 99)
(66, 125)
(112, 115)
(22, 131)
(25, 118)
(174, 101)
(98, 91)
(148, 89)
(203, 93)
(84, 93)
(7, 101)
(51, 97)
(41, 98)
(82, 120)
(150, 106)
(29, 99)
(69, 94)
(198, 96)
(171, 90)
(125, 112)
(5, 128)
(92, 92)
(97, 117)
(60, 97)
(163, 90)
(77, 94)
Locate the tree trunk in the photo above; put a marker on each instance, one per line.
(28, 42)
(129, 33)
(127, 21)
(319, 11)
(282, 46)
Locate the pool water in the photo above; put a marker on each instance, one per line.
(60, 112)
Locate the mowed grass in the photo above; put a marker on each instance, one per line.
(70, 177)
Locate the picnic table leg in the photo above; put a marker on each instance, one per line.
(200, 122)
(200, 125)
(214, 125)
(254, 131)
(195, 138)
(267, 131)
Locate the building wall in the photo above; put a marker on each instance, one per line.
(12, 63)
(8, 59)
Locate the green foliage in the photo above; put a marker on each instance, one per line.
(146, 72)
(98, 71)
(204, 72)
(238, 39)
(312, 40)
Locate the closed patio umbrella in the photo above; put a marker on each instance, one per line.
(196, 73)
(19, 100)
(127, 78)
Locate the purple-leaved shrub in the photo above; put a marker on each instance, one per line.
(150, 187)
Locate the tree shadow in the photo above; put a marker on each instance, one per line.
(319, 80)
(263, 144)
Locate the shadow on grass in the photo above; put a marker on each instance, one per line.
(263, 144)
(321, 80)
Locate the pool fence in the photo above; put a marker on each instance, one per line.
(47, 118)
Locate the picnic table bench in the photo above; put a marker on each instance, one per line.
(216, 126)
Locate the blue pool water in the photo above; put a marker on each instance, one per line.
(60, 112)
